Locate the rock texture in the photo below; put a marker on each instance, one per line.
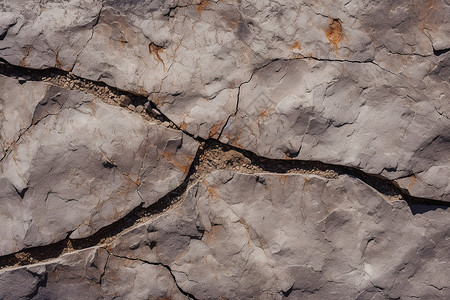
(74, 164)
(90, 274)
(243, 236)
(208, 149)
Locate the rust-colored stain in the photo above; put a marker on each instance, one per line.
(304, 184)
(296, 47)
(247, 231)
(156, 50)
(157, 99)
(23, 62)
(201, 6)
(215, 130)
(212, 191)
(411, 183)
(183, 125)
(283, 179)
(123, 42)
(264, 113)
(334, 33)
(234, 143)
(183, 168)
(57, 61)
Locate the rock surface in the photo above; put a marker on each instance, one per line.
(90, 274)
(373, 73)
(78, 164)
(266, 236)
(329, 122)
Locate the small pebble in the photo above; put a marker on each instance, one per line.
(155, 113)
(166, 124)
(125, 100)
(139, 108)
(131, 107)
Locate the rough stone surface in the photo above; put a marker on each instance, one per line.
(90, 274)
(79, 164)
(222, 149)
(355, 114)
(266, 236)
(385, 88)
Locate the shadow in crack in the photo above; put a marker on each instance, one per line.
(417, 208)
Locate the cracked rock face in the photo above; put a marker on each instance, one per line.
(242, 236)
(356, 114)
(79, 164)
(391, 109)
(206, 149)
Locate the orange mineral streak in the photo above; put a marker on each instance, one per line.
(264, 113)
(411, 183)
(183, 168)
(296, 46)
(57, 61)
(215, 130)
(334, 33)
(23, 62)
(201, 6)
(156, 50)
(212, 191)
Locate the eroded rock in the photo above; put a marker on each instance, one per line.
(302, 236)
(246, 236)
(81, 164)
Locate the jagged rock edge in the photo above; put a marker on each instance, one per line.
(166, 202)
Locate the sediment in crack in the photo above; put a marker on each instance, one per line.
(211, 155)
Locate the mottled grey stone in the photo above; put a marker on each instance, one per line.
(353, 114)
(363, 84)
(89, 274)
(243, 236)
(80, 164)
(377, 72)
(263, 236)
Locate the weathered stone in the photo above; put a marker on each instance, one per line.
(89, 274)
(353, 114)
(243, 236)
(80, 164)
(192, 56)
(359, 84)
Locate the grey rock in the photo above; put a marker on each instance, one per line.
(268, 236)
(191, 58)
(89, 274)
(79, 164)
(47, 33)
(353, 114)
(194, 55)
(263, 236)
(363, 84)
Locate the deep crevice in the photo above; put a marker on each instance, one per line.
(22, 192)
(32, 255)
(102, 236)
(440, 51)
